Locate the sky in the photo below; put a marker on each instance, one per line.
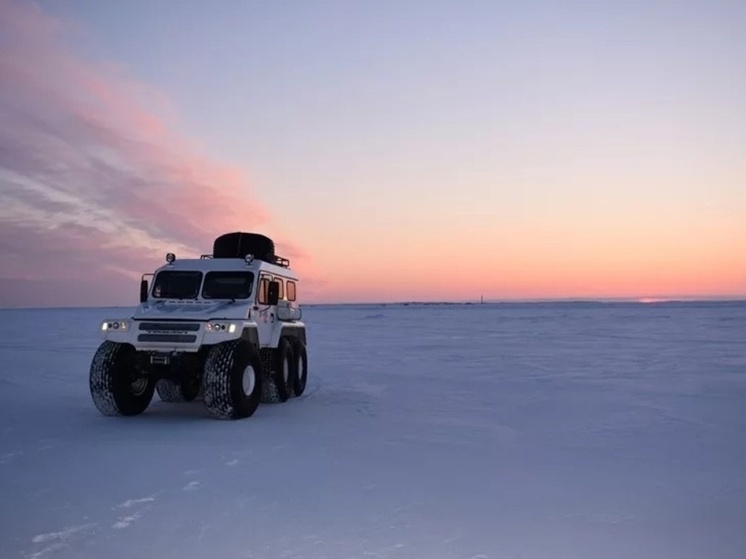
(395, 151)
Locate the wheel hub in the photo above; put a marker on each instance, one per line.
(285, 371)
(248, 380)
(139, 386)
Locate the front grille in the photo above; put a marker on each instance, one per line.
(169, 326)
(168, 332)
(170, 338)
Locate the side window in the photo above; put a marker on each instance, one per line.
(291, 291)
(282, 288)
(262, 292)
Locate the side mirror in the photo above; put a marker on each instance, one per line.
(143, 291)
(273, 293)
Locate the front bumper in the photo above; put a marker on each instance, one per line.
(172, 335)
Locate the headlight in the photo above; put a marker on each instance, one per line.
(220, 327)
(114, 325)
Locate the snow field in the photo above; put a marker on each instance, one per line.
(446, 431)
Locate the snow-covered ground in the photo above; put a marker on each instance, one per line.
(486, 431)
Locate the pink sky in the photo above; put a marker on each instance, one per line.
(97, 182)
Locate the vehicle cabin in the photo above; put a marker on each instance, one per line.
(210, 278)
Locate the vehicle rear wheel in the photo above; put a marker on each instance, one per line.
(232, 380)
(301, 368)
(116, 385)
(278, 373)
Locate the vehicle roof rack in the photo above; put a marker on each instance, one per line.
(280, 261)
(273, 259)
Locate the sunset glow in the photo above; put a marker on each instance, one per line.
(395, 152)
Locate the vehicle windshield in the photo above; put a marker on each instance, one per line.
(227, 285)
(172, 284)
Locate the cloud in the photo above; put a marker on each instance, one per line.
(94, 178)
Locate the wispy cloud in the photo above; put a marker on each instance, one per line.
(94, 178)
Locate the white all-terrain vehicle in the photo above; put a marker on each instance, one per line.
(226, 326)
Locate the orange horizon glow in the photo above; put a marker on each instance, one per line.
(592, 283)
(539, 264)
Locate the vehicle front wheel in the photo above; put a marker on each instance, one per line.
(116, 385)
(232, 380)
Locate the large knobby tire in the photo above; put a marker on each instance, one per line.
(301, 368)
(239, 244)
(116, 386)
(232, 380)
(279, 372)
(173, 391)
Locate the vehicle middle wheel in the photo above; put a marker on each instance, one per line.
(232, 380)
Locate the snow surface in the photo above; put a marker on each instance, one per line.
(531, 431)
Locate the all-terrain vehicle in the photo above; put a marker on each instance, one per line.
(226, 326)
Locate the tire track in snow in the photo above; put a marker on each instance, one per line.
(191, 486)
(132, 502)
(57, 541)
(8, 456)
(126, 520)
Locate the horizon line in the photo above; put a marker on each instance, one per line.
(476, 302)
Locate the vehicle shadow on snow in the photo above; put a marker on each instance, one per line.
(179, 411)
(159, 412)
